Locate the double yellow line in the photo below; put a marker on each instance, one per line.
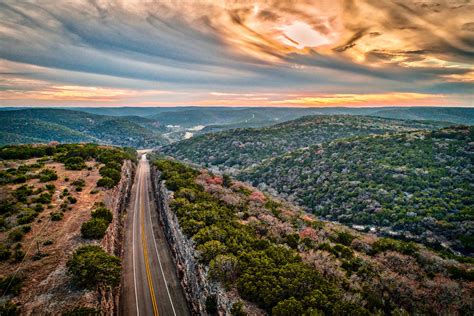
(147, 264)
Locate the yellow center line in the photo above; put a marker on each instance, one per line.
(147, 265)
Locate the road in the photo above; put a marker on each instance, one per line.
(150, 283)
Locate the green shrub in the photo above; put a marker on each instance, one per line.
(11, 285)
(79, 183)
(22, 193)
(5, 252)
(47, 175)
(26, 217)
(44, 198)
(106, 183)
(47, 242)
(288, 307)
(8, 309)
(384, 244)
(72, 199)
(344, 238)
(75, 163)
(211, 304)
(18, 255)
(90, 266)
(16, 234)
(103, 213)
(237, 309)
(50, 187)
(57, 216)
(94, 228)
(110, 173)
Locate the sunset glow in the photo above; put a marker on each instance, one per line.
(255, 53)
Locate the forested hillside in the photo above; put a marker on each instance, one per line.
(271, 256)
(418, 185)
(241, 148)
(45, 125)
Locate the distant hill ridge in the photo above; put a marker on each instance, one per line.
(32, 125)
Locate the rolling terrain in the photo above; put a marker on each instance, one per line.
(66, 126)
(414, 185)
(258, 255)
(241, 148)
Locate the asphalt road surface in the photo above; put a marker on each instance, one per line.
(150, 283)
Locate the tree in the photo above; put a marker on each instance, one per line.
(91, 266)
(75, 163)
(94, 228)
(106, 182)
(288, 307)
(103, 213)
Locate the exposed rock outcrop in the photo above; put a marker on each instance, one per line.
(113, 239)
(193, 275)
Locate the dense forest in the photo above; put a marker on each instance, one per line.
(241, 148)
(289, 263)
(415, 185)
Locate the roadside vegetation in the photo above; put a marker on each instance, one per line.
(289, 263)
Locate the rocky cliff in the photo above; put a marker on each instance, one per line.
(113, 239)
(192, 274)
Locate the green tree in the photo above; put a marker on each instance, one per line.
(90, 266)
(94, 228)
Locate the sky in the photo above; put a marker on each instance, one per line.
(237, 53)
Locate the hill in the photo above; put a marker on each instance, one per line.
(260, 255)
(53, 200)
(241, 148)
(45, 125)
(455, 115)
(415, 185)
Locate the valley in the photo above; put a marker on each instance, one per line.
(322, 214)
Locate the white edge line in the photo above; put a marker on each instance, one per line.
(158, 255)
(133, 242)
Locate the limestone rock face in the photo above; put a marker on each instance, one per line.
(192, 274)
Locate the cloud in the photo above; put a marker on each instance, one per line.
(337, 46)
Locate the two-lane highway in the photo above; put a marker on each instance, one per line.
(150, 283)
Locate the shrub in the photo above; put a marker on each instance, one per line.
(18, 255)
(110, 173)
(210, 250)
(237, 309)
(288, 307)
(75, 163)
(11, 285)
(8, 309)
(47, 242)
(47, 175)
(44, 198)
(57, 216)
(5, 252)
(50, 187)
(103, 213)
(90, 266)
(106, 183)
(79, 183)
(26, 217)
(344, 238)
(16, 234)
(211, 304)
(94, 228)
(72, 199)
